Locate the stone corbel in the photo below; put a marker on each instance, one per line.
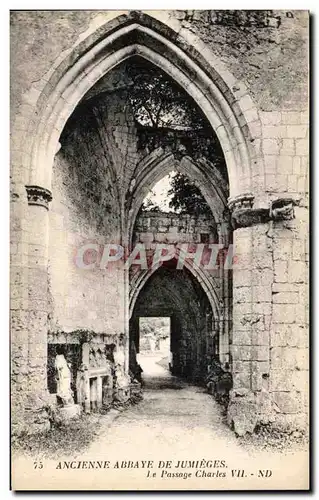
(38, 195)
(244, 215)
(250, 217)
(283, 208)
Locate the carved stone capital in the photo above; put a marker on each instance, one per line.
(38, 195)
(240, 202)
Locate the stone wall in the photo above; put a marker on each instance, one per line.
(258, 47)
(82, 298)
(272, 341)
(285, 145)
(172, 228)
(85, 209)
(289, 334)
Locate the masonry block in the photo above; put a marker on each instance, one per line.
(302, 147)
(285, 165)
(280, 271)
(287, 402)
(291, 117)
(297, 131)
(289, 380)
(282, 249)
(271, 117)
(259, 375)
(289, 358)
(297, 272)
(285, 298)
(274, 131)
(296, 165)
(271, 146)
(261, 293)
(287, 147)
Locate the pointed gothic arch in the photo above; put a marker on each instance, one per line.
(158, 164)
(53, 99)
(208, 284)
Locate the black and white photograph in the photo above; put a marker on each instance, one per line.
(159, 244)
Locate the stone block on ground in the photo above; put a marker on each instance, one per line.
(67, 413)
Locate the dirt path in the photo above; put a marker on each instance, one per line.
(180, 431)
(178, 422)
(173, 416)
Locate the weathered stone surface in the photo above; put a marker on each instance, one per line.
(297, 272)
(287, 402)
(289, 335)
(290, 422)
(66, 414)
(281, 271)
(257, 353)
(289, 380)
(284, 313)
(260, 375)
(262, 307)
(285, 297)
(242, 413)
(261, 293)
(289, 358)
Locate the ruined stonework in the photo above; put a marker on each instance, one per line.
(81, 166)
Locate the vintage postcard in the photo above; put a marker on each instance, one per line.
(159, 250)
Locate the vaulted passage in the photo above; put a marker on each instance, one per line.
(177, 294)
(135, 125)
(123, 106)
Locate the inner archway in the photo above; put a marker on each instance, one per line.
(194, 332)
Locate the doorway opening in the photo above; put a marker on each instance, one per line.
(154, 355)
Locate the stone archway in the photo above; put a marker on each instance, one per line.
(52, 101)
(158, 164)
(208, 283)
(194, 333)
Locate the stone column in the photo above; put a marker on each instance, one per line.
(37, 307)
(252, 280)
(99, 392)
(289, 331)
(225, 270)
(87, 392)
(254, 275)
(19, 316)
